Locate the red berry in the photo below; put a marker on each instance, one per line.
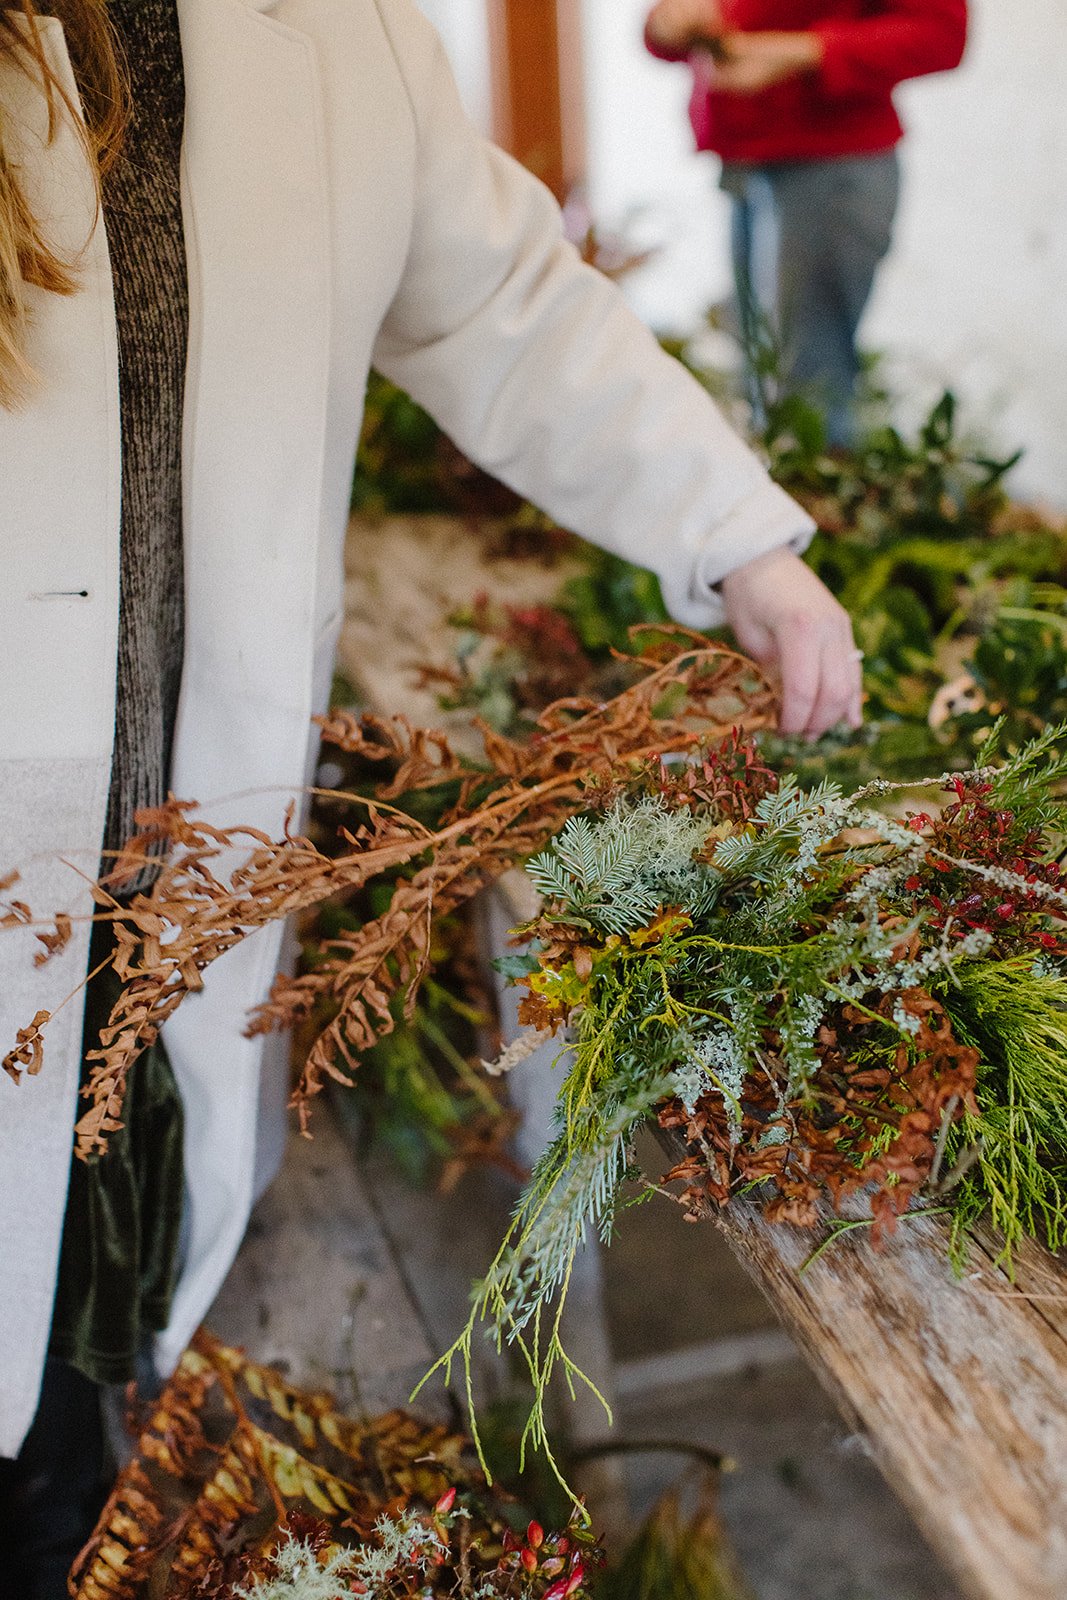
(446, 1502)
(529, 1560)
(535, 1536)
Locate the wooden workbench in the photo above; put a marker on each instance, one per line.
(958, 1384)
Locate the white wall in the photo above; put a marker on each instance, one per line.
(976, 293)
(644, 175)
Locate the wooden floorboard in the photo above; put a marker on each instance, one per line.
(316, 1289)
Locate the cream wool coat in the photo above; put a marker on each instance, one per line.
(339, 209)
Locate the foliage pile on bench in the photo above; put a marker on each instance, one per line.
(958, 595)
(829, 1002)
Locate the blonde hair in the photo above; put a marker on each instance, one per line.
(25, 254)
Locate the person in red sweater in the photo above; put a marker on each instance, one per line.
(796, 98)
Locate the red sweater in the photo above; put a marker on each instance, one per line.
(846, 107)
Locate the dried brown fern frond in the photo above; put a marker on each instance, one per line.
(501, 817)
(200, 905)
(266, 1478)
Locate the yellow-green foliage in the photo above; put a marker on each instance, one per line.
(1016, 1013)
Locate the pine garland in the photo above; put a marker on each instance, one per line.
(824, 998)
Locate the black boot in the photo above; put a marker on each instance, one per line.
(51, 1496)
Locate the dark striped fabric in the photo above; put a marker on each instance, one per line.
(120, 1233)
(142, 212)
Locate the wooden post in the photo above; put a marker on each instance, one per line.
(538, 114)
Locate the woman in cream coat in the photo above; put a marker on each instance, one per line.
(338, 210)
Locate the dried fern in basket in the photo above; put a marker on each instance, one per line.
(244, 1486)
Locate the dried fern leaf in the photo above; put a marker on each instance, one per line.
(201, 905)
(245, 1484)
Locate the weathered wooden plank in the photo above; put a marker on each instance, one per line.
(960, 1386)
(316, 1290)
(1035, 1274)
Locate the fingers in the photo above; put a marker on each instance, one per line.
(800, 661)
(781, 614)
(821, 678)
(819, 667)
(676, 22)
(821, 683)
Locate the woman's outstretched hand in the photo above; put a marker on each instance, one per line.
(748, 63)
(785, 618)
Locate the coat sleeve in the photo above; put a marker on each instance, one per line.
(898, 39)
(532, 362)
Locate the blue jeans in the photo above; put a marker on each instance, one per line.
(807, 240)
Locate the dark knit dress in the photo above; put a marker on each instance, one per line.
(120, 1236)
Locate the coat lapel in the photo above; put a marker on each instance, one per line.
(257, 233)
(256, 216)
